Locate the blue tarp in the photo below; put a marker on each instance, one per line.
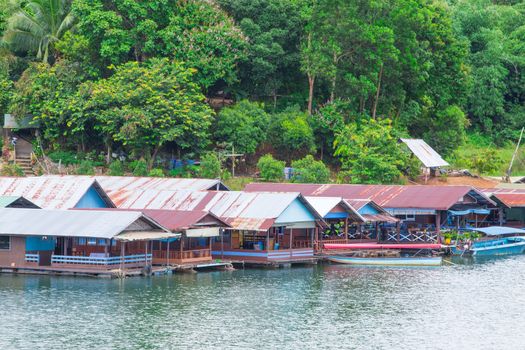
(469, 211)
(499, 230)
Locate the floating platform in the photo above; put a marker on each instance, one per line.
(353, 246)
(401, 261)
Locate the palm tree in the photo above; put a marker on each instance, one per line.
(34, 26)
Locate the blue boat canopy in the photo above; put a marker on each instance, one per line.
(499, 230)
(469, 211)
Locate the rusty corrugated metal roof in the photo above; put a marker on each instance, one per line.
(511, 199)
(387, 196)
(426, 154)
(55, 192)
(131, 183)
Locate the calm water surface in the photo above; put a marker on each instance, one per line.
(464, 306)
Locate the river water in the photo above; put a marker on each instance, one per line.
(464, 306)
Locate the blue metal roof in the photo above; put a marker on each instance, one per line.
(499, 230)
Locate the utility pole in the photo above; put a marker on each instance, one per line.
(233, 155)
(509, 170)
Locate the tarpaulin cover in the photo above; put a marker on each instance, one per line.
(499, 230)
(469, 211)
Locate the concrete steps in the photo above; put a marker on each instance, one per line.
(24, 162)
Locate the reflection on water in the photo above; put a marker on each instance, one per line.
(465, 304)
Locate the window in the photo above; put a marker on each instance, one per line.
(81, 241)
(92, 241)
(101, 241)
(5, 243)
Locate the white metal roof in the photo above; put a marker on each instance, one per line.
(70, 223)
(426, 154)
(49, 192)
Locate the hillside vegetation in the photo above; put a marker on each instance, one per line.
(325, 86)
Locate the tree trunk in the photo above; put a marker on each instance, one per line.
(153, 156)
(108, 155)
(311, 82)
(374, 108)
(334, 80)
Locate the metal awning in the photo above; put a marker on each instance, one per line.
(131, 236)
(203, 232)
(469, 211)
(499, 230)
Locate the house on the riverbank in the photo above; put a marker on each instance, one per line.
(512, 206)
(77, 241)
(56, 192)
(423, 210)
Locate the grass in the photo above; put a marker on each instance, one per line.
(477, 144)
(238, 183)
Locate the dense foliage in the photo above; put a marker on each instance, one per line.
(334, 80)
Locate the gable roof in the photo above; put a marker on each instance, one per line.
(73, 223)
(16, 202)
(112, 184)
(426, 154)
(52, 192)
(178, 220)
(510, 200)
(387, 196)
(324, 205)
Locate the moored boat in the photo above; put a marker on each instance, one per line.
(497, 240)
(383, 261)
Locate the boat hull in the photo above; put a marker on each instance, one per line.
(507, 246)
(426, 261)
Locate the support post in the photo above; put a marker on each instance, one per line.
(378, 236)
(438, 226)
(168, 253)
(398, 231)
(268, 240)
(222, 243)
(291, 241)
(346, 230)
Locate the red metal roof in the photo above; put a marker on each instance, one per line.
(176, 220)
(388, 196)
(511, 199)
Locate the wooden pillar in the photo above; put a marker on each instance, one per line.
(168, 253)
(222, 243)
(122, 253)
(146, 255)
(346, 229)
(291, 241)
(398, 231)
(378, 236)
(320, 235)
(268, 240)
(500, 215)
(106, 247)
(438, 226)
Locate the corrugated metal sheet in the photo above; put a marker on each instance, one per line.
(7, 200)
(387, 196)
(70, 223)
(379, 218)
(325, 205)
(511, 199)
(426, 154)
(112, 184)
(58, 192)
(178, 220)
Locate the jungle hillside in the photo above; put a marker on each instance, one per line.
(215, 87)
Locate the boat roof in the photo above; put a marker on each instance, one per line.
(499, 230)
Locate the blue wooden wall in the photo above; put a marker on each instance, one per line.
(91, 200)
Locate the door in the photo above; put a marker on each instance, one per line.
(45, 257)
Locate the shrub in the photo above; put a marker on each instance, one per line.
(64, 157)
(140, 168)
(309, 170)
(210, 167)
(116, 168)
(271, 169)
(156, 173)
(86, 167)
(11, 170)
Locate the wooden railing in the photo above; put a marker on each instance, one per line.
(185, 254)
(96, 260)
(413, 237)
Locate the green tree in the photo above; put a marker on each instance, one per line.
(35, 26)
(291, 133)
(309, 170)
(273, 29)
(145, 106)
(210, 167)
(116, 168)
(369, 153)
(193, 31)
(244, 125)
(6, 91)
(270, 169)
(140, 168)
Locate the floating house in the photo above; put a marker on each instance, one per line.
(81, 241)
(423, 210)
(512, 206)
(197, 228)
(265, 228)
(57, 192)
(349, 219)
